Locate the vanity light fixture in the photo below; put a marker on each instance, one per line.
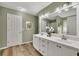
(57, 9)
(42, 16)
(21, 9)
(65, 5)
(47, 14)
(74, 6)
(66, 9)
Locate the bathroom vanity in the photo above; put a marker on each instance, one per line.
(65, 21)
(55, 46)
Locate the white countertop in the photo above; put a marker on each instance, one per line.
(68, 42)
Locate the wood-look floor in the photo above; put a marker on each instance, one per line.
(21, 50)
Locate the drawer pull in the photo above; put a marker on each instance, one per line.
(58, 46)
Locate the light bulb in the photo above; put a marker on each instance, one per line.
(74, 6)
(57, 9)
(65, 5)
(66, 9)
(21, 9)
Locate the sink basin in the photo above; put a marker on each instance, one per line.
(62, 40)
(65, 41)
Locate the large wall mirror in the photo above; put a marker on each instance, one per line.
(63, 21)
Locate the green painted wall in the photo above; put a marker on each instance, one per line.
(27, 35)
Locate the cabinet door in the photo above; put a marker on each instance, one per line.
(36, 42)
(52, 49)
(43, 46)
(55, 49)
(68, 51)
(40, 43)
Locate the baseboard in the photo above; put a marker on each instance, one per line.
(26, 42)
(15, 45)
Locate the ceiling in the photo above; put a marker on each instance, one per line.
(30, 7)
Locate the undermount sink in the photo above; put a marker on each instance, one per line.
(66, 41)
(62, 40)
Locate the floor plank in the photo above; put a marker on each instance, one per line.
(21, 50)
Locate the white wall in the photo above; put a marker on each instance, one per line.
(77, 20)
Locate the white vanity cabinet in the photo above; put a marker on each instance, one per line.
(36, 42)
(40, 45)
(55, 49)
(43, 46)
(52, 49)
(47, 47)
(68, 51)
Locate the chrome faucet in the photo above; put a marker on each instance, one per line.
(64, 37)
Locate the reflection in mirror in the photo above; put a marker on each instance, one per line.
(63, 22)
(69, 21)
